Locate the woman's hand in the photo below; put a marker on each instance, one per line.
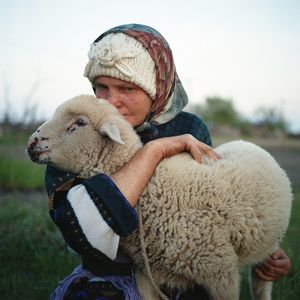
(275, 267)
(133, 176)
(169, 146)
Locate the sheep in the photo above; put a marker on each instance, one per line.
(200, 222)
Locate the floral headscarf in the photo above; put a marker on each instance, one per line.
(170, 96)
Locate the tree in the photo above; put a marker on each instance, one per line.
(271, 118)
(217, 111)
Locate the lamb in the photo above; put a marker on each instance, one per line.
(200, 222)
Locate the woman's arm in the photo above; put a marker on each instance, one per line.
(134, 176)
(107, 197)
(90, 215)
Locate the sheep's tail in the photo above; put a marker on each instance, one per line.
(144, 254)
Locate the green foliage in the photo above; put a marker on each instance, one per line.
(17, 171)
(20, 174)
(32, 252)
(14, 138)
(288, 286)
(220, 112)
(217, 111)
(33, 256)
(271, 118)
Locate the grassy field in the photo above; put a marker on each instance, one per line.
(17, 171)
(17, 174)
(32, 252)
(34, 258)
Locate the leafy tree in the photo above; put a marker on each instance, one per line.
(220, 112)
(217, 111)
(271, 118)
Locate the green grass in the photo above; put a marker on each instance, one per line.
(33, 256)
(288, 286)
(17, 171)
(14, 138)
(32, 252)
(19, 174)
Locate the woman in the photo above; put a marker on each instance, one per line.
(132, 67)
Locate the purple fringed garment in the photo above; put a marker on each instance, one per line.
(126, 284)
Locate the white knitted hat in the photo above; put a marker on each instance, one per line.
(120, 56)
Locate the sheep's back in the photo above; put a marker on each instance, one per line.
(246, 191)
(262, 191)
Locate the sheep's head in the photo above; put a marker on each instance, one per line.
(78, 128)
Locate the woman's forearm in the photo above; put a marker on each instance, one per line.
(132, 178)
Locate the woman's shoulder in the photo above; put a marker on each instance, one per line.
(189, 118)
(185, 122)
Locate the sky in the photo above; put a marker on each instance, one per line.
(245, 50)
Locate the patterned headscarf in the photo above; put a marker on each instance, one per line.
(170, 96)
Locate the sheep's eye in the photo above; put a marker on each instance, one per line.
(80, 122)
(76, 124)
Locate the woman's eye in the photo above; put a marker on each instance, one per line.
(101, 87)
(101, 91)
(128, 89)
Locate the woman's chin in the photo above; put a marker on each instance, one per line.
(129, 119)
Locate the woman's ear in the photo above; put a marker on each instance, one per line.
(110, 128)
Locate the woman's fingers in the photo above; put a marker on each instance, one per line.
(267, 273)
(209, 151)
(264, 276)
(275, 267)
(198, 149)
(196, 154)
(170, 146)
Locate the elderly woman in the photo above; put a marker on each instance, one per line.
(132, 67)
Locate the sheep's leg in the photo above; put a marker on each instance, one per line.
(145, 287)
(221, 275)
(260, 289)
(208, 256)
(225, 286)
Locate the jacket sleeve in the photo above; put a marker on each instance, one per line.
(92, 214)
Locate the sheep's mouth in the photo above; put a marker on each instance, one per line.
(36, 156)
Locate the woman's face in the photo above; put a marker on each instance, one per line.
(132, 102)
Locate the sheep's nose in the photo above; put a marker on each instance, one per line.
(32, 149)
(32, 144)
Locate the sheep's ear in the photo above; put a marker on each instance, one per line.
(110, 129)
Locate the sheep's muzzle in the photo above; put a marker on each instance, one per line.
(35, 149)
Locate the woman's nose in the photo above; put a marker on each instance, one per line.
(114, 99)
